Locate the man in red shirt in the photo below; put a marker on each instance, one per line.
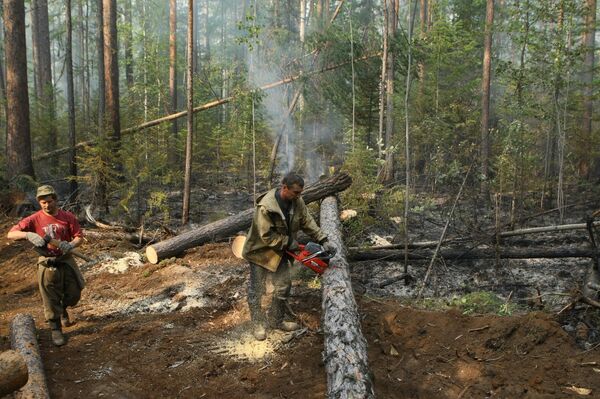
(59, 279)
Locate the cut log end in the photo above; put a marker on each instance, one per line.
(13, 372)
(152, 255)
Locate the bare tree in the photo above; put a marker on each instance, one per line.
(18, 141)
(128, 43)
(111, 68)
(185, 218)
(588, 80)
(43, 68)
(71, 99)
(171, 148)
(100, 55)
(392, 24)
(485, 94)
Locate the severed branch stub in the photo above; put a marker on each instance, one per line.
(23, 340)
(345, 353)
(233, 224)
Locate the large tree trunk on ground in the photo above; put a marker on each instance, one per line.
(477, 253)
(345, 354)
(23, 340)
(236, 223)
(13, 372)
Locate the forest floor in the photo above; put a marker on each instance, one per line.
(180, 329)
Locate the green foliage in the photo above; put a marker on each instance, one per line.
(478, 302)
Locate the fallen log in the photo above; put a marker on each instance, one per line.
(236, 223)
(13, 372)
(345, 353)
(476, 253)
(23, 340)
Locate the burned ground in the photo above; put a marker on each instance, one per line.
(180, 329)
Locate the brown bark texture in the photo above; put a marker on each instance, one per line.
(485, 90)
(345, 353)
(100, 63)
(13, 372)
(476, 253)
(588, 81)
(18, 140)
(71, 98)
(173, 78)
(189, 141)
(23, 340)
(236, 223)
(111, 69)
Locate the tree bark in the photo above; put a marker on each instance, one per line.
(189, 142)
(485, 94)
(389, 166)
(236, 223)
(588, 81)
(345, 353)
(172, 146)
(13, 372)
(111, 69)
(128, 43)
(477, 253)
(71, 99)
(23, 340)
(18, 142)
(100, 55)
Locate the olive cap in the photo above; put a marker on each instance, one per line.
(45, 190)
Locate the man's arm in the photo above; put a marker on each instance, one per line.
(16, 235)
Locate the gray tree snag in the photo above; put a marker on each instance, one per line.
(345, 353)
(236, 223)
(23, 340)
(71, 99)
(18, 133)
(172, 146)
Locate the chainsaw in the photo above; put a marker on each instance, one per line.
(313, 256)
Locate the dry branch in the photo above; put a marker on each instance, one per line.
(13, 372)
(203, 107)
(345, 353)
(23, 340)
(477, 253)
(236, 223)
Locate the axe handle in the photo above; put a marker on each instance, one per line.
(55, 242)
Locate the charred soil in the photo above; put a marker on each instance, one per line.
(180, 329)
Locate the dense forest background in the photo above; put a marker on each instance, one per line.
(410, 98)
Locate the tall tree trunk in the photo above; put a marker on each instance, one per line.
(206, 30)
(34, 55)
(383, 81)
(485, 95)
(421, 65)
(588, 81)
(44, 76)
(185, 217)
(389, 167)
(302, 20)
(100, 55)
(172, 146)
(111, 68)
(71, 99)
(81, 57)
(128, 43)
(18, 143)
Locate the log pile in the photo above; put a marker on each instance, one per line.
(236, 223)
(24, 341)
(345, 353)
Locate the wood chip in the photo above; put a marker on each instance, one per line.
(393, 351)
(579, 391)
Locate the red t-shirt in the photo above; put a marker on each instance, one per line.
(63, 227)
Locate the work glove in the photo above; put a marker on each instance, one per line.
(35, 239)
(65, 247)
(329, 247)
(292, 245)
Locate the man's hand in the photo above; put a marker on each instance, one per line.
(329, 247)
(292, 245)
(65, 247)
(35, 239)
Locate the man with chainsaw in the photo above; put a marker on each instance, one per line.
(59, 279)
(278, 216)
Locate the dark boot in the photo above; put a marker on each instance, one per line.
(277, 314)
(257, 316)
(65, 320)
(58, 339)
